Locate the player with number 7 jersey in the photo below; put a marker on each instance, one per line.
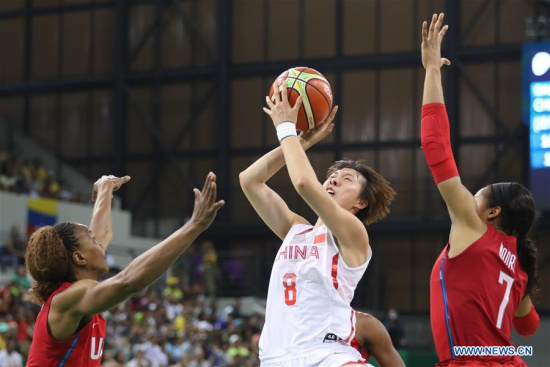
(485, 278)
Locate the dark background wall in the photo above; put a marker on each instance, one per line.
(167, 90)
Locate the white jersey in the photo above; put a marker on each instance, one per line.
(308, 303)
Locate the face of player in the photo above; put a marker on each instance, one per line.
(91, 251)
(483, 210)
(345, 187)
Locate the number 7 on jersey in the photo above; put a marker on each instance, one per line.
(504, 278)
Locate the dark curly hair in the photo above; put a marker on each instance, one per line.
(48, 259)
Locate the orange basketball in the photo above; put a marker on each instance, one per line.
(316, 93)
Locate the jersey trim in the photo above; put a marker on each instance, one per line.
(69, 351)
(335, 271)
(446, 308)
(352, 333)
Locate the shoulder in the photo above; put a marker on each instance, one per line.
(69, 297)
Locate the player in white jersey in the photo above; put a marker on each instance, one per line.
(309, 320)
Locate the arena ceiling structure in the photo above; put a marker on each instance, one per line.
(168, 90)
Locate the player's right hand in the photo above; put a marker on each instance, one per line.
(109, 183)
(206, 207)
(312, 136)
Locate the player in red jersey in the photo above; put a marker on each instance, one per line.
(484, 279)
(66, 260)
(372, 338)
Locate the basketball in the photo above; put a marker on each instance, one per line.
(316, 93)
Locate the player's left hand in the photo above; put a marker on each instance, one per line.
(431, 43)
(279, 109)
(321, 131)
(109, 184)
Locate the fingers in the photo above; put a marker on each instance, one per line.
(332, 114)
(441, 33)
(439, 22)
(432, 26)
(197, 195)
(445, 61)
(217, 206)
(207, 182)
(277, 93)
(424, 31)
(268, 111)
(284, 92)
(298, 103)
(269, 102)
(120, 181)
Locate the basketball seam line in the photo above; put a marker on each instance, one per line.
(322, 95)
(317, 89)
(305, 113)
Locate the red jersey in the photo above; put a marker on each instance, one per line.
(83, 349)
(356, 345)
(474, 296)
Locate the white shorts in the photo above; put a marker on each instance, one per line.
(336, 358)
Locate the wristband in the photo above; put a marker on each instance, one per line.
(527, 325)
(286, 129)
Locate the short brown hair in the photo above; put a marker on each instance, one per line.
(376, 191)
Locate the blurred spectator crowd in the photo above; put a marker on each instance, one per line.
(178, 321)
(33, 178)
(169, 324)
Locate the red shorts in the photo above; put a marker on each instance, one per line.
(515, 361)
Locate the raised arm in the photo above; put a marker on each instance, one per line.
(266, 202)
(88, 297)
(102, 218)
(348, 229)
(436, 141)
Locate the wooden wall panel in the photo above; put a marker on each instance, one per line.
(76, 44)
(283, 30)
(474, 118)
(320, 31)
(44, 117)
(102, 122)
(12, 39)
(396, 98)
(396, 26)
(141, 18)
(248, 31)
(103, 41)
(139, 138)
(359, 28)
(358, 107)
(74, 125)
(45, 46)
(247, 116)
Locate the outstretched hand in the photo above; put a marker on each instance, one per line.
(279, 108)
(431, 43)
(321, 131)
(110, 183)
(206, 207)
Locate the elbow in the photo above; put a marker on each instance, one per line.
(243, 179)
(302, 184)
